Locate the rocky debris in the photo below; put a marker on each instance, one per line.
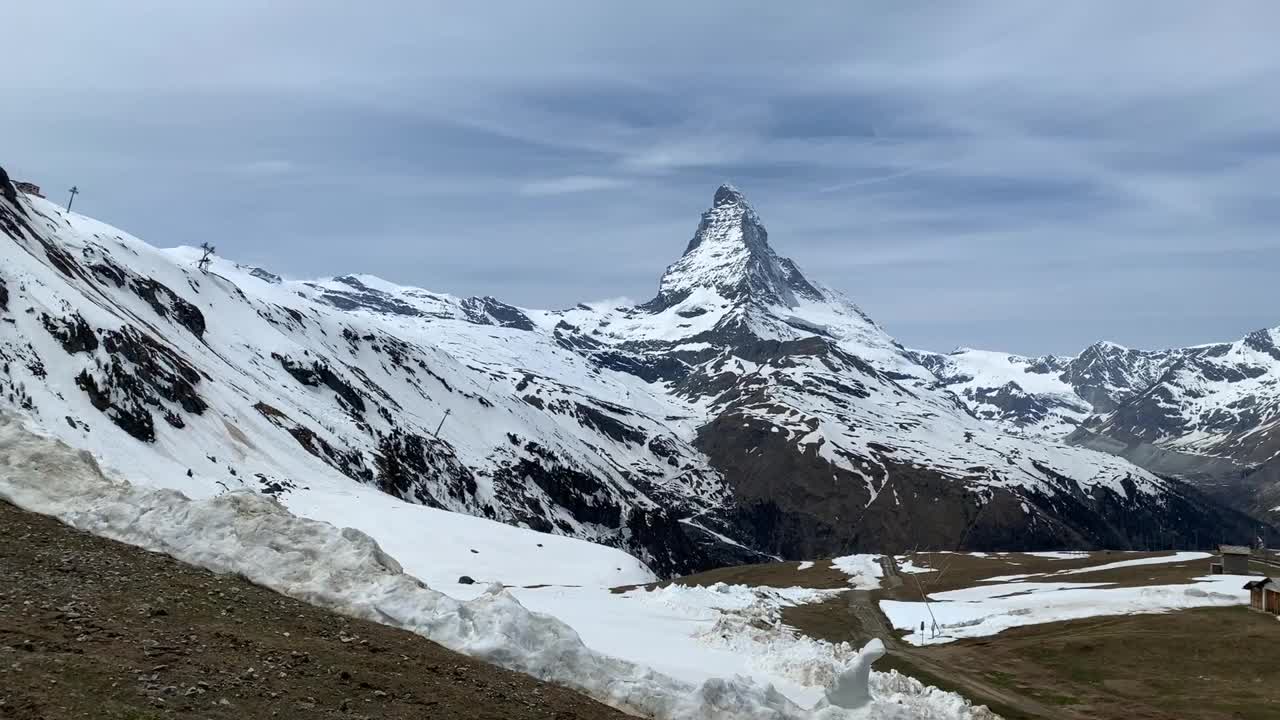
(94, 628)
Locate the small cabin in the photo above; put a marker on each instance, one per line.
(1231, 560)
(1264, 595)
(28, 188)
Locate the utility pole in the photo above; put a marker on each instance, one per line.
(436, 434)
(74, 191)
(206, 257)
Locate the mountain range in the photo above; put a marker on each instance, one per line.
(1209, 414)
(746, 412)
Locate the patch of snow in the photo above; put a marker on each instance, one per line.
(1011, 578)
(805, 565)
(864, 571)
(907, 565)
(991, 609)
(1060, 554)
(1163, 560)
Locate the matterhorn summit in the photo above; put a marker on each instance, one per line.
(730, 254)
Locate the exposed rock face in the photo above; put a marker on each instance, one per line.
(745, 412)
(7, 189)
(1106, 374)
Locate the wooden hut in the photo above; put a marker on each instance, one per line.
(1264, 595)
(1231, 560)
(28, 188)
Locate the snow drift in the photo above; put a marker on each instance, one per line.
(345, 570)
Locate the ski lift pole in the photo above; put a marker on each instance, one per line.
(436, 434)
(927, 606)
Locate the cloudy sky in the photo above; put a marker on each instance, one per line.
(1014, 175)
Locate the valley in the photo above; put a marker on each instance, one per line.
(1103, 664)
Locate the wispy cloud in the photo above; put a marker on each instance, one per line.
(571, 184)
(264, 167)
(992, 174)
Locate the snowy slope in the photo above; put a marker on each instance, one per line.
(744, 412)
(345, 570)
(1221, 400)
(784, 377)
(231, 379)
(1027, 395)
(1206, 413)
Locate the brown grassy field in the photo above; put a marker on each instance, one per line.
(1204, 663)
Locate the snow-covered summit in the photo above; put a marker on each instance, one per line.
(730, 254)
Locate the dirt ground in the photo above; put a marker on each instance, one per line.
(91, 628)
(1191, 665)
(1204, 664)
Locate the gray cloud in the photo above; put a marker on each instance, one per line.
(1030, 176)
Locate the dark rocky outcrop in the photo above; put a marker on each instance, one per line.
(7, 190)
(316, 374)
(72, 332)
(127, 414)
(166, 302)
(409, 463)
(491, 311)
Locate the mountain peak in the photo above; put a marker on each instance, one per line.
(730, 255)
(729, 194)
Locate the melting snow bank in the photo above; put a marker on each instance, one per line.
(345, 570)
(864, 571)
(1178, 557)
(990, 609)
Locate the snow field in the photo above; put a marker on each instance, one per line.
(989, 609)
(1165, 560)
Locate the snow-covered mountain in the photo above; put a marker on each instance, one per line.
(1207, 413)
(745, 411)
